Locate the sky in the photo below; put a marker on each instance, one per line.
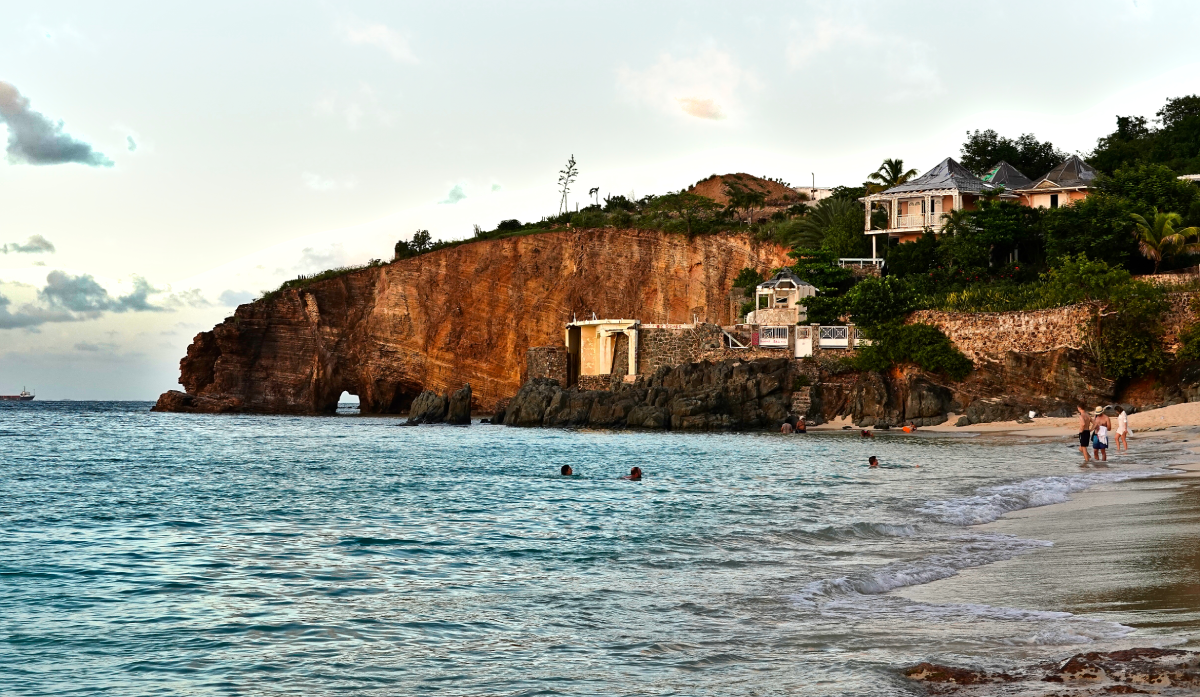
(165, 162)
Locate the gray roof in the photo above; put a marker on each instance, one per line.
(1072, 173)
(948, 174)
(784, 275)
(1004, 174)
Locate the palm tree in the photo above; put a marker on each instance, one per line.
(1159, 239)
(890, 173)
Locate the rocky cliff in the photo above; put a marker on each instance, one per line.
(461, 315)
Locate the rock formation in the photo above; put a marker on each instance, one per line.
(463, 314)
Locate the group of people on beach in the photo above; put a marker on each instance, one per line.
(1095, 428)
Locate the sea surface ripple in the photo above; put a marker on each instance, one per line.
(199, 555)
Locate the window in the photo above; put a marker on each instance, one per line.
(1054, 200)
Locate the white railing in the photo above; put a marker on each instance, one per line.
(860, 339)
(854, 261)
(910, 220)
(834, 337)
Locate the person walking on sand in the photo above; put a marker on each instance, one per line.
(1122, 430)
(1085, 434)
(1100, 434)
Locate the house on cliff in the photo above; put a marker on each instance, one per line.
(919, 204)
(1065, 184)
(778, 300)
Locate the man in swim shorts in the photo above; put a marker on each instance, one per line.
(1085, 434)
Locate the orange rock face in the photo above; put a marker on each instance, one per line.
(455, 316)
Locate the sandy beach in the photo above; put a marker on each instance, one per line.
(1141, 422)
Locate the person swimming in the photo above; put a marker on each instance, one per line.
(635, 475)
(566, 471)
(867, 434)
(872, 461)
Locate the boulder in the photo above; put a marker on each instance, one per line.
(458, 411)
(174, 400)
(428, 408)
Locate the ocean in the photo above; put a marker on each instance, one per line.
(185, 554)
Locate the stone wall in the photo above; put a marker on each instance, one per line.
(547, 362)
(1184, 311)
(677, 345)
(980, 333)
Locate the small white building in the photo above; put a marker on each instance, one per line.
(779, 300)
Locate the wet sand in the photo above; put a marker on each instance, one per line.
(1125, 552)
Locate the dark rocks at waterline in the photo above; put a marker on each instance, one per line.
(432, 408)
(726, 396)
(1094, 673)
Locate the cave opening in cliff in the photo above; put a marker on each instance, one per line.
(348, 403)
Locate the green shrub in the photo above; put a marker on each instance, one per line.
(1189, 339)
(748, 278)
(876, 301)
(922, 344)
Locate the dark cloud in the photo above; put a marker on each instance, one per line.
(84, 295)
(233, 298)
(34, 245)
(87, 346)
(29, 316)
(35, 139)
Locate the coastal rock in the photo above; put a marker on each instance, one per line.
(726, 396)
(462, 314)
(1131, 671)
(458, 411)
(428, 408)
(174, 400)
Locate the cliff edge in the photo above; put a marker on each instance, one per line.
(461, 315)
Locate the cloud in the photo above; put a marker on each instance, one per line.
(456, 194)
(313, 260)
(318, 183)
(90, 347)
(233, 298)
(701, 86)
(130, 144)
(380, 36)
(37, 140)
(354, 106)
(906, 66)
(36, 244)
(29, 316)
(84, 295)
(187, 298)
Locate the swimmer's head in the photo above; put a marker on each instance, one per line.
(566, 470)
(874, 461)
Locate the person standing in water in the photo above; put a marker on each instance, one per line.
(1122, 430)
(1085, 434)
(1100, 436)
(635, 475)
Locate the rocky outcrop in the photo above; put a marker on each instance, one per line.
(1131, 671)
(726, 396)
(428, 408)
(458, 407)
(463, 314)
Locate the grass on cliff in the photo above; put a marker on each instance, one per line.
(305, 280)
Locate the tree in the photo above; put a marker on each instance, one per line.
(837, 225)
(566, 176)
(594, 192)
(419, 245)
(1160, 238)
(685, 204)
(1173, 139)
(819, 267)
(743, 198)
(891, 173)
(420, 241)
(984, 149)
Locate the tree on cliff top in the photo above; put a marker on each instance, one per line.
(566, 176)
(983, 149)
(686, 205)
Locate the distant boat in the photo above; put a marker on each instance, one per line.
(25, 396)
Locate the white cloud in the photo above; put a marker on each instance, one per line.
(318, 183)
(354, 106)
(899, 67)
(704, 86)
(313, 260)
(455, 195)
(380, 36)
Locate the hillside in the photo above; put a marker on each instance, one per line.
(777, 195)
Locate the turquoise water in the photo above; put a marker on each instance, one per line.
(211, 555)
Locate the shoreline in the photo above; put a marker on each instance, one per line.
(1117, 555)
(1151, 420)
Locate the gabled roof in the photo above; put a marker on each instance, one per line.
(948, 174)
(1004, 174)
(1070, 174)
(783, 275)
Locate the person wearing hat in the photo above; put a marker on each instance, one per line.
(1100, 426)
